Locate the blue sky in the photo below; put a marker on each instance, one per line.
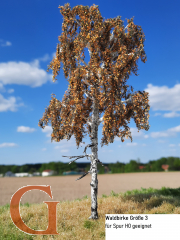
(28, 39)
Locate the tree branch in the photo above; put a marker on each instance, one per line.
(85, 79)
(77, 21)
(126, 27)
(129, 99)
(86, 173)
(100, 162)
(87, 95)
(78, 57)
(83, 175)
(89, 145)
(100, 120)
(65, 105)
(81, 156)
(90, 53)
(90, 123)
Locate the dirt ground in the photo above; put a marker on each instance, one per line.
(66, 188)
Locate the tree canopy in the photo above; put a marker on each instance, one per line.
(113, 58)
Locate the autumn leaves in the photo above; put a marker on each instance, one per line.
(118, 54)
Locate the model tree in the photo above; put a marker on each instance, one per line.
(97, 87)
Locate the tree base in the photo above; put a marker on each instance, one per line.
(93, 217)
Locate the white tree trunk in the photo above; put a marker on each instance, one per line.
(94, 158)
(94, 123)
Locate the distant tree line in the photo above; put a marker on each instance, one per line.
(59, 167)
(152, 166)
(118, 167)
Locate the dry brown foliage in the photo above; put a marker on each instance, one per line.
(106, 84)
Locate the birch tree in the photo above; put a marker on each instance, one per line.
(97, 87)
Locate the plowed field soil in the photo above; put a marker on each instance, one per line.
(67, 188)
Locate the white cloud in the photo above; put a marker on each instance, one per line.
(103, 150)
(10, 90)
(172, 145)
(131, 144)
(157, 114)
(64, 150)
(44, 149)
(64, 144)
(8, 145)
(2, 89)
(161, 141)
(45, 58)
(25, 129)
(134, 134)
(171, 115)
(23, 73)
(171, 132)
(58, 147)
(164, 98)
(48, 130)
(159, 134)
(9, 104)
(7, 43)
(174, 129)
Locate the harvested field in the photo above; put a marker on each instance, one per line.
(66, 188)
